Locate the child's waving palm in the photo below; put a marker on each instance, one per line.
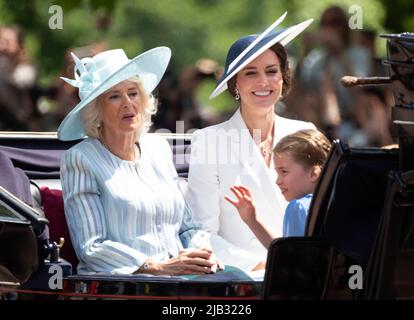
(244, 203)
(247, 210)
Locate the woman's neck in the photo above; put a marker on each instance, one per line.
(264, 123)
(121, 145)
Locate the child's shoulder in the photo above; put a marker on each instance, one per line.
(300, 204)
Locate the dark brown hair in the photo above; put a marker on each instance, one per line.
(308, 147)
(284, 66)
(335, 17)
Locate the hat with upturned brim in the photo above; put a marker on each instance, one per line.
(94, 76)
(248, 48)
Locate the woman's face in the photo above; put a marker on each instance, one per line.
(260, 83)
(120, 108)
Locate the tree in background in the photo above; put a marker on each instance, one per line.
(193, 29)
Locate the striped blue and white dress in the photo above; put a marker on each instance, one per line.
(120, 213)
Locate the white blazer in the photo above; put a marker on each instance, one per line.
(222, 156)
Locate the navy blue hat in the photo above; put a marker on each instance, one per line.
(247, 48)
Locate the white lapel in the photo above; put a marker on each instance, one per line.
(242, 145)
(281, 129)
(272, 204)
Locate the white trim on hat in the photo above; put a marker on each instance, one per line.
(274, 25)
(148, 66)
(283, 38)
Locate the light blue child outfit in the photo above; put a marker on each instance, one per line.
(296, 214)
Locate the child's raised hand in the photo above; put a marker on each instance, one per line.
(244, 203)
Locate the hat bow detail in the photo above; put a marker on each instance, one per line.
(86, 76)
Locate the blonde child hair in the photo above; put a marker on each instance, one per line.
(308, 147)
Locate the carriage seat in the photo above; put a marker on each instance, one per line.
(36, 173)
(48, 199)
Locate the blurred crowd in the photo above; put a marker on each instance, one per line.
(359, 115)
(18, 89)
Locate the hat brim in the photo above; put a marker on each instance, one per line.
(283, 37)
(149, 67)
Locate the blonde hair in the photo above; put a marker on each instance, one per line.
(91, 114)
(308, 147)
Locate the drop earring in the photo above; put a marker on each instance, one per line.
(237, 94)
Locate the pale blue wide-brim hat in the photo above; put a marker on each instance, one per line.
(94, 76)
(248, 48)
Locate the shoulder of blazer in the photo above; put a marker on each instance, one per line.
(235, 122)
(85, 147)
(298, 124)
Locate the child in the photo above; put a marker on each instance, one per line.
(298, 160)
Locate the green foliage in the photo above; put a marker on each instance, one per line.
(400, 15)
(191, 28)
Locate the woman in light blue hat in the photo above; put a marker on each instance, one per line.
(124, 209)
(239, 151)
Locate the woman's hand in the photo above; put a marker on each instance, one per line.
(213, 258)
(189, 261)
(244, 204)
